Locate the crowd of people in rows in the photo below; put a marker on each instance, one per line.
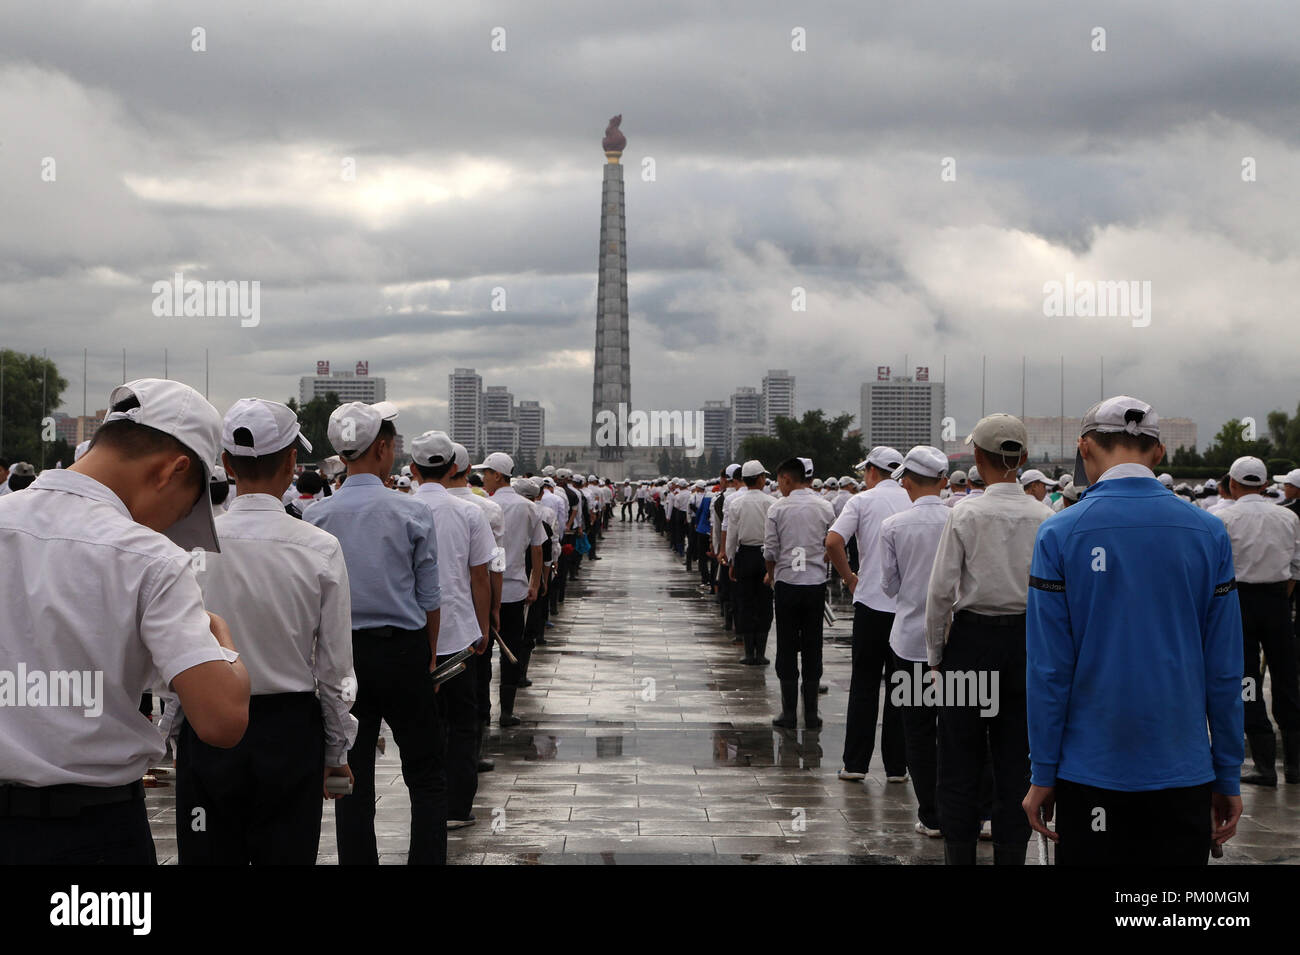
(1050, 650)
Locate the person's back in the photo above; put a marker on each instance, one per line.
(1140, 578)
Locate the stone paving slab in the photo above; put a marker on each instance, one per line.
(609, 768)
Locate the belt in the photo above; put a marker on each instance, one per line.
(1277, 587)
(64, 801)
(749, 547)
(990, 620)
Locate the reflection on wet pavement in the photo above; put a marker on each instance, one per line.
(644, 740)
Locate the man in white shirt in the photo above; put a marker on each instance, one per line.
(873, 617)
(1036, 485)
(979, 588)
(70, 770)
(284, 583)
(746, 516)
(457, 484)
(523, 534)
(908, 543)
(465, 551)
(1266, 556)
(794, 547)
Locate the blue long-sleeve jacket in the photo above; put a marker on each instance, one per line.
(702, 523)
(1134, 644)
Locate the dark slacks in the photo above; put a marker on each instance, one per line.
(799, 631)
(258, 802)
(393, 685)
(512, 632)
(871, 663)
(752, 597)
(921, 739)
(458, 716)
(1160, 827)
(1266, 626)
(116, 834)
(708, 565)
(984, 645)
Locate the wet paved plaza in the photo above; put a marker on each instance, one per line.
(645, 740)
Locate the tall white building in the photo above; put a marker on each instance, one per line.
(902, 410)
(356, 385)
(498, 404)
(747, 416)
(778, 397)
(531, 418)
(465, 409)
(717, 428)
(501, 436)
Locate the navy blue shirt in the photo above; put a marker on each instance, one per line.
(1134, 644)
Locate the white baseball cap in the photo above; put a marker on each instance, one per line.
(1291, 477)
(957, 478)
(177, 410)
(254, 427)
(807, 466)
(1121, 413)
(973, 475)
(1249, 471)
(1032, 475)
(924, 460)
(403, 481)
(82, 448)
(1166, 479)
(497, 461)
(817, 484)
(883, 457)
(549, 470)
(354, 426)
(999, 434)
(752, 468)
(433, 449)
(731, 471)
(831, 482)
(563, 473)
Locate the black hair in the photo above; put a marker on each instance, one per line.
(133, 440)
(260, 468)
(758, 480)
(309, 482)
(18, 482)
(476, 478)
(792, 468)
(433, 472)
(924, 480)
(218, 491)
(1109, 440)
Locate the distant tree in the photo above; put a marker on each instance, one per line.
(314, 418)
(826, 440)
(22, 411)
(1284, 430)
(1230, 443)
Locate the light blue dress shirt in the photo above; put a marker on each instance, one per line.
(390, 548)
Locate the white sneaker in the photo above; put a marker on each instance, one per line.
(924, 830)
(897, 779)
(849, 777)
(461, 823)
(986, 830)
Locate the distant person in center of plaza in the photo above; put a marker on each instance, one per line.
(745, 517)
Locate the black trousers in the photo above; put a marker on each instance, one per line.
(260, 801)
(752, 597)
(393, 685)
(482, 670)
(985, 645)
(512, 632)
(872, 663)
(708, 565)
(1160, 827)
(625, 512)
(458, 716)
(116, 834)
(799, 631)
(1266, 626)
(921, 739)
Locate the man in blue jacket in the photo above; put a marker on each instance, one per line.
(1133, 647)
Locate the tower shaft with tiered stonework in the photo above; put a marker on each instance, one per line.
(612, 383)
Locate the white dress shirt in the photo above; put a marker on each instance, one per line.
(491, 510)
(795, 532)
(747, 520)
(523, 528)
(464, 541)
(908, 542)
(1265, 540)
(861, 518)
(560, 505)
(282, 586)
(90, 594)
(983, 560)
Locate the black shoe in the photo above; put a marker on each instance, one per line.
(1263, 750)
(785, 721)
(823, 688)
(486, 765)
(524, 682)
(1259, 779)
(789, 702)
(810, 718)
(763, 661)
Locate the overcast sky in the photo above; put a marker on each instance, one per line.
(774, 168)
